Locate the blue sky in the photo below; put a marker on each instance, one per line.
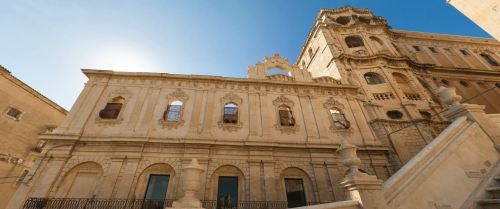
(45, 43)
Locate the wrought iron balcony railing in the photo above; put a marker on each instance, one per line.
(96, 203)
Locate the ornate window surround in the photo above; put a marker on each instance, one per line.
(123, 93)
(230, 98)
(282, 100)
(332, 104)
(177, 95)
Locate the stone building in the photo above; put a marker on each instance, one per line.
(486, 14)
(270, 137)
(25, 114)
(398, 71)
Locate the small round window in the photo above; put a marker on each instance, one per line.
(394, 114)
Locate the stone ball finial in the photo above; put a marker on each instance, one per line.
(448, 95)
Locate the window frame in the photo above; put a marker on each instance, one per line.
(292, 121)
(489, 59)
(236, 114)
(350, 44)
(388, 113)
(378, 76)
(340, 113)
(168, 110)
(15, 118)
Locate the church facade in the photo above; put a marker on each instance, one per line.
(268, 137)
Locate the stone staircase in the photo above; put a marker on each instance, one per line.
(492, 200)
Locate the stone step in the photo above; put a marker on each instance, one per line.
(494, 192)
(489, 203)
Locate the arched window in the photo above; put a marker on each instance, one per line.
(464, 83)
(173, 112)
(310, 52)
(489, 59)
(373, 78)
(403, 83)
(230, 113)
(354, 41)
(339, 120)
(394, 114)
(286, 116)
(112, 109)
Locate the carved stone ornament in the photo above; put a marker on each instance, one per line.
(331, 103)
(448, 95)
(178, 94)
(231, 97)
(283, 100)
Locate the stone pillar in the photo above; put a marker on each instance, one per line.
(108, 184)
(191, 176)
(270, 182)
(255, 180)
(364, 188)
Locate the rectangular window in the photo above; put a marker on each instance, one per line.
(227, 195)
(464, 52)
(295, 194)
(286, 118)
(13, 113)
(417, 48)
(433, 50)
(174, 112)
(489, 59)
(230, 115)
(157, 187)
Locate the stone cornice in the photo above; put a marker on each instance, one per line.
(7, 75)
(204, 78)
(446, 37)
(427, 67)
(146, 142)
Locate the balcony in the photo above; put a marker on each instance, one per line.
(95, 203)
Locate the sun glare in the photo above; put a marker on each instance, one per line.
(123, 59)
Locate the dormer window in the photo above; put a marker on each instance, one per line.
(354, 41)
(286, 116)
(112, 109)
(416, 48)
(433, 50)
(230, 113)
(173, 112)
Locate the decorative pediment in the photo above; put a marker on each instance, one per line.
(331, 103)
(283, 100)
(231, 97)
(178, 94)
(260, 70)
(122, 91)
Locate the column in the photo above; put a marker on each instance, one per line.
(109, 181)
(255, 180)
(271, 182)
